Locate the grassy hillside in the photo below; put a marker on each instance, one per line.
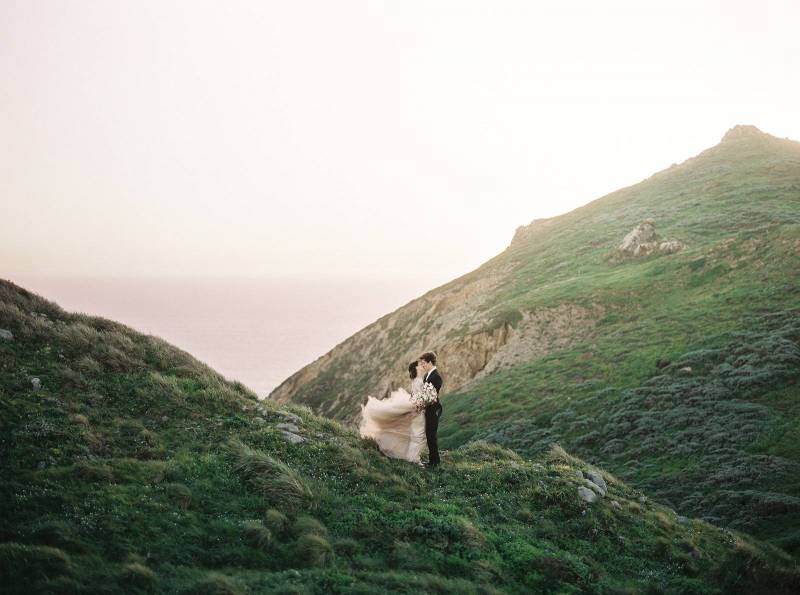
(565, 337)
(132, 467)
(713, 432)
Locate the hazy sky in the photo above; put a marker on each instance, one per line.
(354, 138)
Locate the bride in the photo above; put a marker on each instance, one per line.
(394, 422)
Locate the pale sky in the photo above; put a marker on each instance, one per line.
(361, 139)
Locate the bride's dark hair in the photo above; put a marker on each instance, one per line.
(412, 370)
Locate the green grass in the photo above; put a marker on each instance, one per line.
(139, 469)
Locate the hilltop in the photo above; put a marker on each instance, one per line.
(129, 466)
(653, 331)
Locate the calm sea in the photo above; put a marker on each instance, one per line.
(256, 331)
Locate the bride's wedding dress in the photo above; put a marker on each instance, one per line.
(394, 424)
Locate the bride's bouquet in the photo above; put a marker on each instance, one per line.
(424, 396)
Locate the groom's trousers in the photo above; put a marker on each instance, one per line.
(432, 414)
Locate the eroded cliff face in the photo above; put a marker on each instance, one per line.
(457, 322)
(374, 361)
(540, 332)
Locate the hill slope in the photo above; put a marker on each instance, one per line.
(129, 466)
(567, 336)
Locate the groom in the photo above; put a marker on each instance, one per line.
(427, 361)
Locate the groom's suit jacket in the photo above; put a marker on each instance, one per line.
(435, 380)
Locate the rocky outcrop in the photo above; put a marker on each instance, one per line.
(594, 486)
(289, 426)
(643, 240)
(745, 132)
(586, 494)
(524, 233)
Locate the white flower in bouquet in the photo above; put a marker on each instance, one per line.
(424, 396)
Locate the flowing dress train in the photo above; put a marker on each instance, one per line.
(393, 422)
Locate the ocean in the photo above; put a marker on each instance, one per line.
(256, 331)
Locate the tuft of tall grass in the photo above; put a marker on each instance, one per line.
(483, 451)
(256, 533)
(179, 493)
(270, 477)
(138, 576)
(29, 564)
(305, 524)
(57, 533)
(314, 550)
(277, 522)
(557, 454)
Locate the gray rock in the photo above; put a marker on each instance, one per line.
(686, 370)
(670, 246)
(579, 474)
(645, 248)
(587, 494)
(643, 240)
(597, 479)
(643, 233)
(36, 383)
(615, 504)
(293, 438)
(596, 488)
(6, 335)
(288, 427)
(643, 499)
(290, 417)
(683, 520)
(164, 418)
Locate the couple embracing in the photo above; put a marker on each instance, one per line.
(403, 422)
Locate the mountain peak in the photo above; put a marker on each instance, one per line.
(743, 132)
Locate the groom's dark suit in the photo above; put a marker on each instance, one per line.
(432, 414)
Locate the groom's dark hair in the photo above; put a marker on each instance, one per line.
(412, 370)
(429, 356)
